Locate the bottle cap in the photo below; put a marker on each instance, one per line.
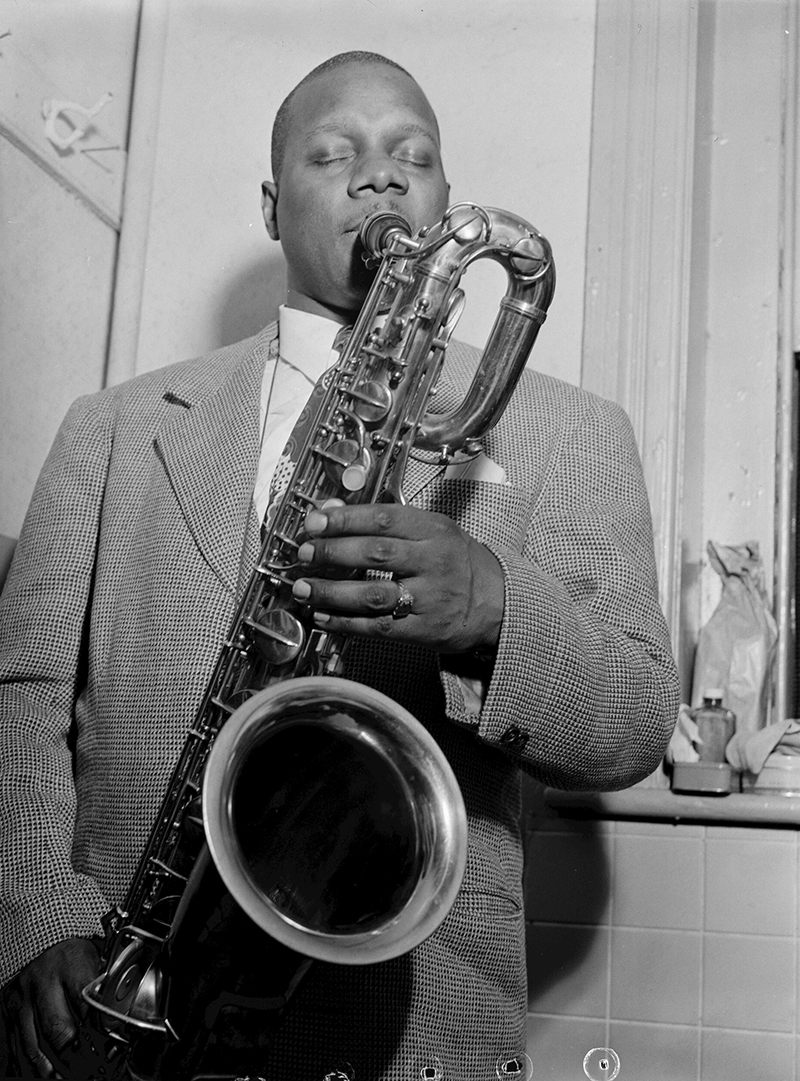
(713, 692)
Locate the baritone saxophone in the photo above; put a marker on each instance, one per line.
(311, 817)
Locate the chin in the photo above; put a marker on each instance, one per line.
(361, 278)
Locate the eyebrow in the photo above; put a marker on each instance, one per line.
(338, 125)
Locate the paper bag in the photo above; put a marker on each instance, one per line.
(736, 647)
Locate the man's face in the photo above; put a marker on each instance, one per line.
(362, 138)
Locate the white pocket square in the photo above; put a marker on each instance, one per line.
(480, 467)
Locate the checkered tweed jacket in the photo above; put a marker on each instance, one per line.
(139, 536)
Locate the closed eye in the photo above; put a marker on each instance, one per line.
(331, 160)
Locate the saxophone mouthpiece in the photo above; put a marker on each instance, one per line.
(377, 232)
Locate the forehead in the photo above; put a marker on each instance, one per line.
(360, 95)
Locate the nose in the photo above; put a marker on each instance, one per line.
(377, 172)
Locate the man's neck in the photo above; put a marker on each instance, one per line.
(303, 303)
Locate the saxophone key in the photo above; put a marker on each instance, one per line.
(347, 463)
(278, 635)
(238, 643)
(158, 867)
(290, 542)
(302, 500)
(354, 477)
(400, 278)
(372, 399)
(373, 351)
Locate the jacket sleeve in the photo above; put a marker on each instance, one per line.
(583, 690)
(43, 623)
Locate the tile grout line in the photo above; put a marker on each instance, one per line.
(795, 966)
(702, 975)
(609, 950)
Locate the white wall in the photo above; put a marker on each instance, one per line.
(57, 207)
(510, 81)
(744, 148)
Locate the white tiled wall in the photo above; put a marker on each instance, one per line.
(677, 946)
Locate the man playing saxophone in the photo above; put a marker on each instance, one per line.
(516, 616)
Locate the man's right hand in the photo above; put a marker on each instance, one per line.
(43, 1003)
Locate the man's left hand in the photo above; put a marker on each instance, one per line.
(455, 583)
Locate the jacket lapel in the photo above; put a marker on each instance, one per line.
(210, 454)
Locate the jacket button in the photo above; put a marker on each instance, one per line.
(514, 738)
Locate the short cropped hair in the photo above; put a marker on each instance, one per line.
(280, 128)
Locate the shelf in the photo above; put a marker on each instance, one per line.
(750, 809)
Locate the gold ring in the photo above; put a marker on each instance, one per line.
(405, 601)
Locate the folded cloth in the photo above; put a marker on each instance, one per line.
(749, 751)
(481, 467)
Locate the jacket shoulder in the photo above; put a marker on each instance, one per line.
(184, 382)
(536, 391)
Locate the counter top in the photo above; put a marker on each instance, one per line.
(754, 809)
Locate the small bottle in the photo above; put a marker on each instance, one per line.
(715, 726)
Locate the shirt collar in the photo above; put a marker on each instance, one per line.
(306, 340)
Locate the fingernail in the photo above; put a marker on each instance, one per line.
(305, 553)
(321, 617)
(301, 590)
(316, 521)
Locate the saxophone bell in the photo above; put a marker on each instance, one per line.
(334, 820)
(334, 824)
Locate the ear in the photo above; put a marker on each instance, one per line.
(269, 207)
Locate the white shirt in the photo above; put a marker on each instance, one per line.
(306, 350)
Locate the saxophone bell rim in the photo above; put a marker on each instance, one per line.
(398, 733)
